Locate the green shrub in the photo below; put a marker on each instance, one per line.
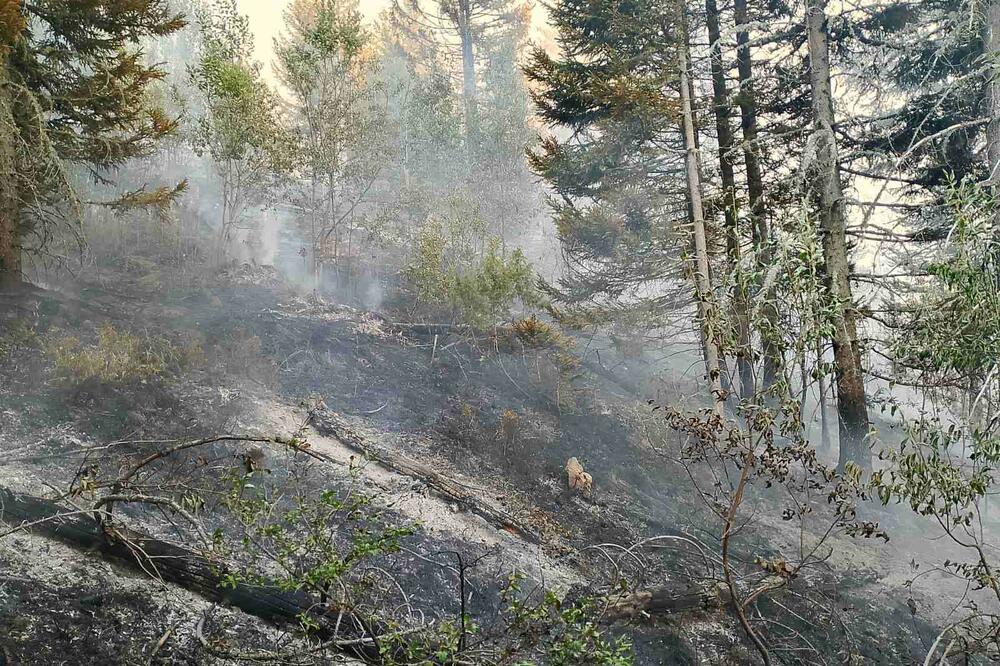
(317, 543)
(531, 630)
(449, 278)
(487, 291)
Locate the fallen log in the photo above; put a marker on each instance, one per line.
(331, 424)
(417, 328)
(666, 601)
(184, 567)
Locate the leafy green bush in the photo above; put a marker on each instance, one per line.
(448, 277)
(315, 544)
(337, 545)
(566, 633)
(530, 631)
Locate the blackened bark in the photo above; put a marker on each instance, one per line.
(724, 133)
(746, 99)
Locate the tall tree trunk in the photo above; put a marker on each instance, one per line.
(727, 388)
(824, 442)
(829, 197)
(746, 99)
(468, 73)
(993, 127)
(724, 132)
(10, 209)
(702, 281)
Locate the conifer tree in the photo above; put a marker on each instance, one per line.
(933, 56)
(618, 176)
(73, 84)
(423, 124)
(479, 44)
(704, 296)
(830, 205)
(461, 28)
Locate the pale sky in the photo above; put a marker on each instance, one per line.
(265, 20)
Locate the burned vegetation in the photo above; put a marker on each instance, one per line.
(347, 486)
(475, 333)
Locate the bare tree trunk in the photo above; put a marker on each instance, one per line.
(851, 407)
(724, 132)
(468, 72)
(727, 388)
(993, 127)
(702, 281)
(314, 204)
(10, 244)
(755, 184)
(747, 101)
(824, 442)
(405, 128)
(10, 209)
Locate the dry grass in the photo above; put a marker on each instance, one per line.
(118, 357)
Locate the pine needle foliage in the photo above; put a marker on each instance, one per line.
(73, 92)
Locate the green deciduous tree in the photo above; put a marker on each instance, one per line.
(238, 127)
(326, 62)
(944, 468)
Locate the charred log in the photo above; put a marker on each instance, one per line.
(189, 569)
(666, 601)
(331, 424)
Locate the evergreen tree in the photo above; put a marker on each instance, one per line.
(433, 159)
(615, 162)
(73, 84)
(499, 170)
(933, 59)
(460, 30)
(422, 129)
(827, 191)
(701, 271)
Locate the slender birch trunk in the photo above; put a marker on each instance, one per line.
(703, 287)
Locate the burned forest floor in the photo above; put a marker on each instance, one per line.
(463, 435)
